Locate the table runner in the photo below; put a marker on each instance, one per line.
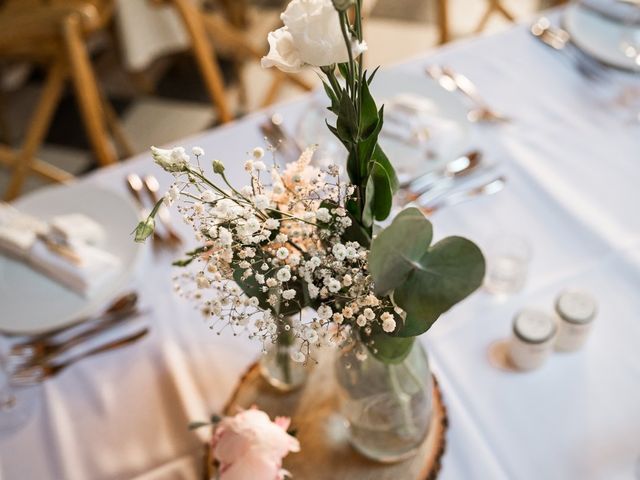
(572, 168)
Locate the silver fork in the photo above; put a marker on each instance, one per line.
(560, 41)
(34, 374)
(453, 81)
(491, 187)
(281, 140)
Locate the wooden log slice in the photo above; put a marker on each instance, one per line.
(326, 453)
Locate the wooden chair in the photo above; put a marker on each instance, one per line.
(225, 30)
(54, 35)
(493, 7)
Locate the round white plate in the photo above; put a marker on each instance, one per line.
(408, 159)
(29, 301)
(600, 37)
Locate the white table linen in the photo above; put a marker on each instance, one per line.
(573, 172)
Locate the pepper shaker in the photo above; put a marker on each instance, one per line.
(576, 310)
(532, 339)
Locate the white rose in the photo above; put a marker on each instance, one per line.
(311, 36)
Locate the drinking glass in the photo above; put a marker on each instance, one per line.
(17, 404)
(508, 258)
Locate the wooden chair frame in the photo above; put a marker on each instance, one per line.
(60, 45)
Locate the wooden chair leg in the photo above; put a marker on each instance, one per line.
(505, 13)
(276, 84)
(443, 21)
(87, 93)
(225, 34)
(205, 56)
(120, 137)
(37, 130)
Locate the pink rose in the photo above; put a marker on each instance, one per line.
(251, 446)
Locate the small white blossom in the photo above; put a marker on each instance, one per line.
(361, 320)
(197, 151)
(257, 153)
(282, 253)
(289, 294)
(322, 214)
(284, 274)
(325, 312)
(298, 356)
(208, 196)
(388, 322)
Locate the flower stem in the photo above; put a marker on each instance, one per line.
(404, 400)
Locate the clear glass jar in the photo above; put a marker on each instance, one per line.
(278, 368)
(388, 407)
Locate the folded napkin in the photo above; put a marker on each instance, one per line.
(93, 268)
(61, 250)
(76, 226)
(18, 231)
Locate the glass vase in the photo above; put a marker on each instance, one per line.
(388, 407)
(278, 367)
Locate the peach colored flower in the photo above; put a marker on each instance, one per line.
(251, 446)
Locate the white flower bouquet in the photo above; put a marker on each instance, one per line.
(300, 237)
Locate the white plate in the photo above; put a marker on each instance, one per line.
(29, 301)
(408, 159)
(600, 37)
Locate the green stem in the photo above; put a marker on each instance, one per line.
(404, 400)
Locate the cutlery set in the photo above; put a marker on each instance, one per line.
(459, 180)
(453, 82)
(560, 41)
(33, 358)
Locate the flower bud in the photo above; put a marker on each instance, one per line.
(342, 5)
(218, 167)
(144, 229)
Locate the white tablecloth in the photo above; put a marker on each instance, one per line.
(573, 170)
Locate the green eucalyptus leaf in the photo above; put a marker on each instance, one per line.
(396, 250)
(446, 274)
(415, 326)
(389, 349)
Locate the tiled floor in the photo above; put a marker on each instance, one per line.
(397, 29)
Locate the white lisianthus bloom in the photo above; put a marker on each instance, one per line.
(311, 36)
(174, 160)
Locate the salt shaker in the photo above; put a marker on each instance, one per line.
(532, 339)
(576, 311)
